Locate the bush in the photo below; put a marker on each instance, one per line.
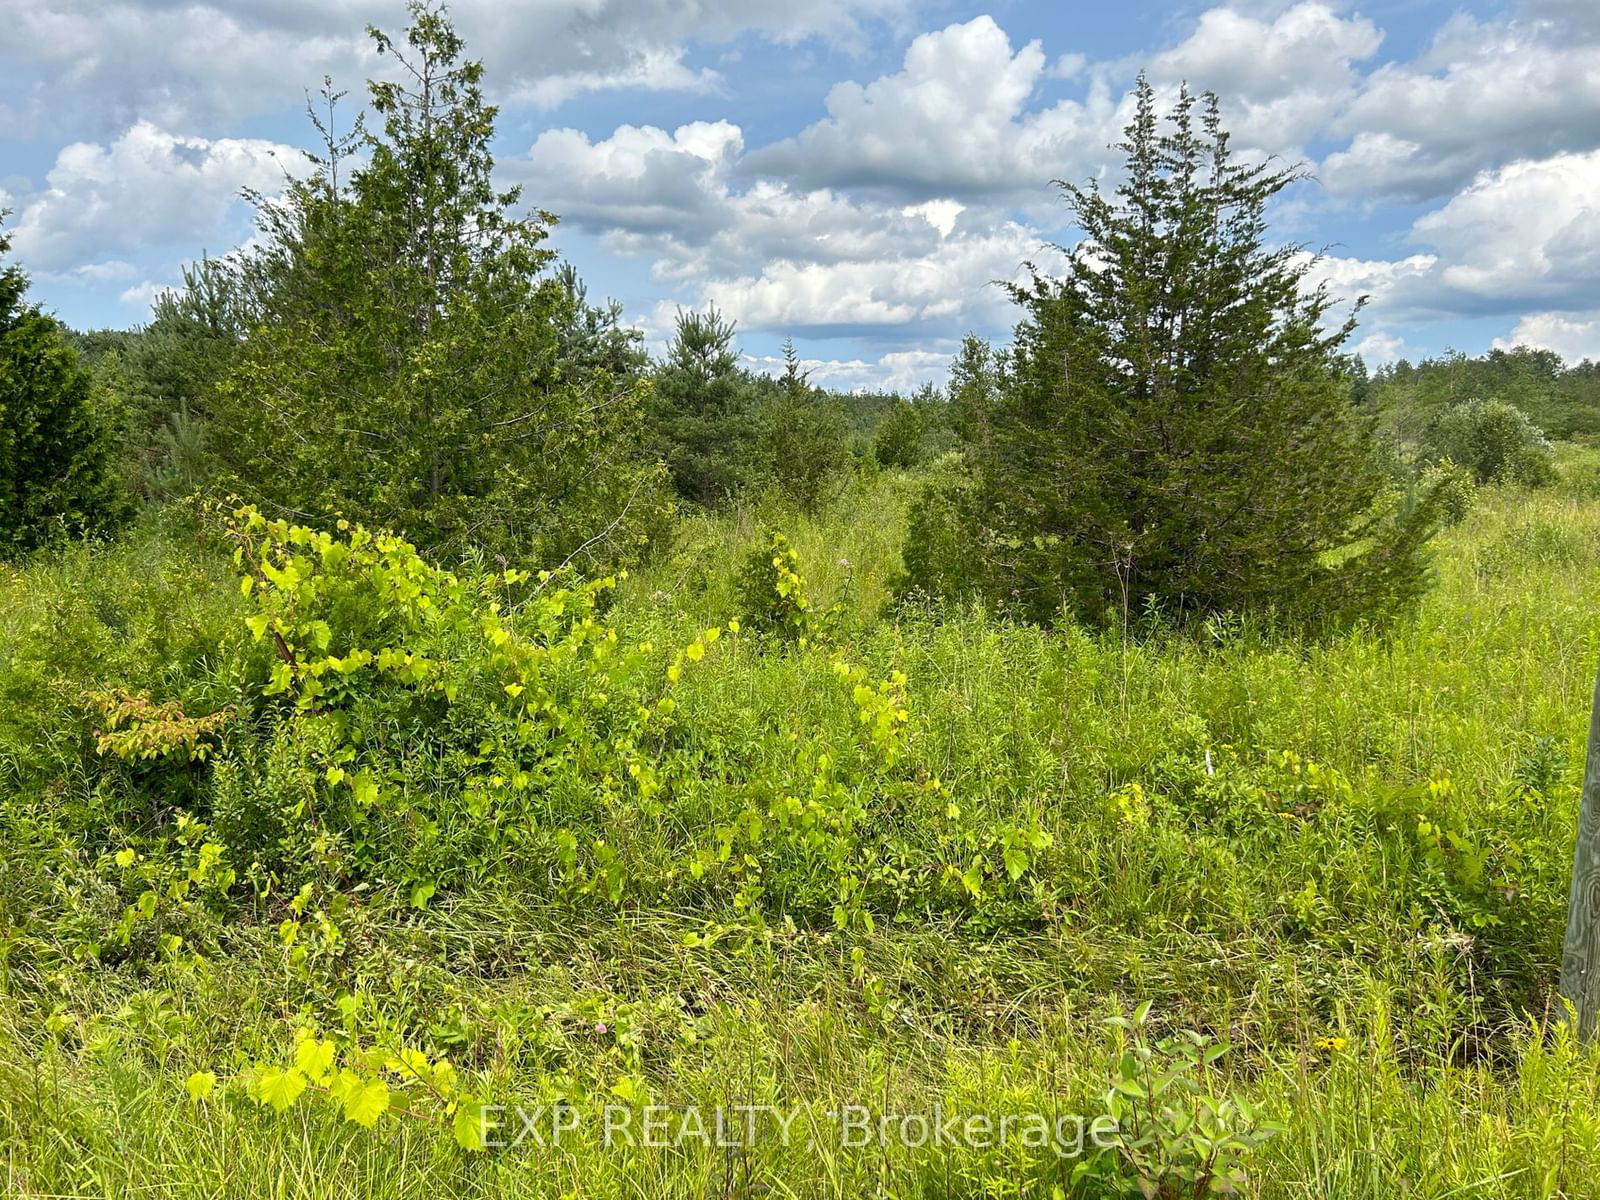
(1456, 489)
(805, 442)
(938, 558)
(56, 467)
(1495, 441)
(414, 360)
(901, 438)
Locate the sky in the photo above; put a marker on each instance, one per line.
(854, 174)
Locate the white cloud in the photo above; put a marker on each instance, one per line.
(176, 63)
(144, 295)
(1574, 336)
(1380, 347)
(771, 256)
(896, 371)
(1484, 94)
(1281, 78)
(641, 179)
(949, 283)
(956, 120)
(952, 122)
(148, 187)
(1526, 236)
(1528, 233)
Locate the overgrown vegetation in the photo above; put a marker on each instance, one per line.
(947, 798)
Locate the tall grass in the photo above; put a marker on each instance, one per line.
(1348, 858)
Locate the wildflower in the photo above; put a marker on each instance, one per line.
(1330, 1043)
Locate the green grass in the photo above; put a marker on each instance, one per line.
(1274, 842)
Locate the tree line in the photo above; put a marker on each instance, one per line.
(1175, 427)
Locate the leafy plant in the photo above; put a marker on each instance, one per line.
(1177, 1134)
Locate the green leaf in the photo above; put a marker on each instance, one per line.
(467, 1124)
(280, 1088)
(200, 1085)
(314, 1058)
(365, 1103)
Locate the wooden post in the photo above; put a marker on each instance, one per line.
(1580, 958)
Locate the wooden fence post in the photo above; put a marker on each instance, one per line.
(1580, 957)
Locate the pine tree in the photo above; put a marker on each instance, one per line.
(412, 358)
(1174, 427)
(56, 473)
(701, 411)
(804, 438)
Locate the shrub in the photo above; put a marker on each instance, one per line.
(901, 437)
(1456, 488)
(701, 411)
(56, 465)
(1495, 441)
(413, 361)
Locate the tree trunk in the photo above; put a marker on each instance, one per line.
(1580, 963)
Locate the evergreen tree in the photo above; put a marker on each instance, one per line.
(1174, 426)
(974, 383)
(56, 473)
(701, 413)
(804, 438)
(412, 360)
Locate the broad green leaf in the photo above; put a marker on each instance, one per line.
(365, 1103)
(200, 1085)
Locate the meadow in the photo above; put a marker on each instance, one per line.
(899, 859)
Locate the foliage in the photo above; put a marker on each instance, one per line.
(1175, 1136)
(701, 410)
(901, 439)
(974, 387)
(803, 438)
(411, 359)
(1562, 400)
(56, 476)
(772, 594)
(1457, 489)
(1173, 429)
(910, 867)
(1495, 441)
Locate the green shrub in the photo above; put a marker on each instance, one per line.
(1455, 487)
(804, 440)
(57, 475)
(1495, 441)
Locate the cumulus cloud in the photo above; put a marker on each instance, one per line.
(1483, 95)
(896, 371)
(1574, 336)
(952, 122)
(958, 118)
(1282, 77)
(1522, 237)
(147, 187)
(772, 256)
(1527, 234)
(182, 63)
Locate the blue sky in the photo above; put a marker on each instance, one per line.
(851, 173)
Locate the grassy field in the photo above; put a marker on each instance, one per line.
(1008, 885)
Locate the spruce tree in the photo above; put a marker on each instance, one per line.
(1173, 428)
(700, 413)
(56, 469)
(805, 441)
